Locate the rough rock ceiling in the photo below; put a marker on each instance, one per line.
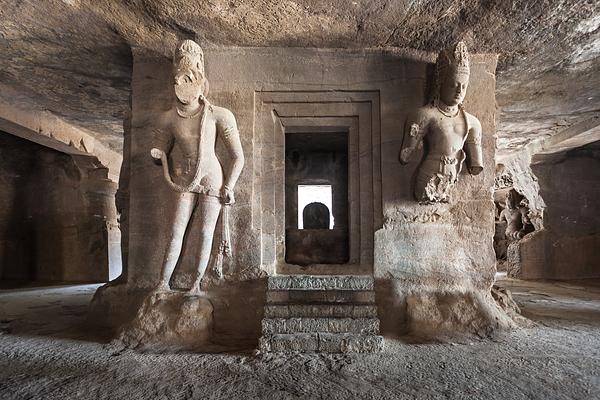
(72, 57)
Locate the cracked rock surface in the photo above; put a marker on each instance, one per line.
(73, 58)
(48, 354)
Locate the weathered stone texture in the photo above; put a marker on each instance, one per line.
(323, 343)
(567, 247)
(320, 313)
(420, 249)
(440, 257)
(331, 325)
(57, 215)
(311, 282)
(169, 321)
(329, 296)
(320, 310)
(72, 57)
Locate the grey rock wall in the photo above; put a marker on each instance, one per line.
(568, 246)
(57, 215)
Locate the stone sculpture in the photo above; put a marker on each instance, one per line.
(451, 135)
(185, 146)
(516, 216)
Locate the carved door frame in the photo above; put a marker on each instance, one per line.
(356, 112)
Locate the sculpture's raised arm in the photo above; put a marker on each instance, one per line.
(473, 147)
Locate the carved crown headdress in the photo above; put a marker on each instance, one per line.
(454, 60)
(451, 61)
(189, 55)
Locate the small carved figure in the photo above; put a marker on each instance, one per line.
(515, 215)
(185, 146)
(451, 135)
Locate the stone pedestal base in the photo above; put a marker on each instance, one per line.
(169, 321)
(447, 314)
(113, 306)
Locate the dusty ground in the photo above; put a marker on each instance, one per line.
(46, 354)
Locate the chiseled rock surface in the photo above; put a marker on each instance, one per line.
(169, 321)
(323, 343)
(320, 310)
(331, 325)
(320, 296)
(312, 282)
(72, 57)
(47, 353)
(328, 314)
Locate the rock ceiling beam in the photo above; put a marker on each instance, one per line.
(49, 130)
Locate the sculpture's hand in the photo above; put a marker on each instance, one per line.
(475, 170)
(405, 155)
(227, 196)
(156, 154)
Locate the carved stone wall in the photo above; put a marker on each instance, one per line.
(567, 247)
(435, 264)
(57, 215)
(419, 250)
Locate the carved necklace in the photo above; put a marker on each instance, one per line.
(444, 110)
(189, 116)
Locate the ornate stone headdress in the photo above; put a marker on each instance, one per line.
(451, 62)
(189, 55)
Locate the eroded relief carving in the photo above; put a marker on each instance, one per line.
(516, 216)
(451, 135)
(185, 146)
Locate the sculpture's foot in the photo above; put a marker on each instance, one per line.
(121, 280)
(196, 291)
(161, 288)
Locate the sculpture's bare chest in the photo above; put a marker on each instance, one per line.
(186, 128)
(447, 134)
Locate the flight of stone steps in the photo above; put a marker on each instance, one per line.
(327, 313)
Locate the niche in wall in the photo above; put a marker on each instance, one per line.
(57, 216)
(316, 198)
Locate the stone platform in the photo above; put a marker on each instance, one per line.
(332, 314)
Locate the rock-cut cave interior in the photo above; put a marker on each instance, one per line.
(300, 199)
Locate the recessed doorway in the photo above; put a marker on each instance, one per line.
(316, 198)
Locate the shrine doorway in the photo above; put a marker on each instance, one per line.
(316, 198)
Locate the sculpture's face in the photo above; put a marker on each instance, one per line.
(189, 85)
(454, 88)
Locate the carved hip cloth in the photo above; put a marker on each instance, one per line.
(437, 173)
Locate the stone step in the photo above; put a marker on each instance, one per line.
(272, 326)
(321, 282)
(320, 310)
(322, 342)
(320, 296)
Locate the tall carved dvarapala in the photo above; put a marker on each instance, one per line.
(185, 146)
(451, 134)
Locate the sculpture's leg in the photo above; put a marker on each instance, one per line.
(207, 212)
(184, 205)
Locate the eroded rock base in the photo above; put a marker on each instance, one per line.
(330, 314)
(169, 321)
(445, 315)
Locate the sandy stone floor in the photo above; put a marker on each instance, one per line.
(45, 353)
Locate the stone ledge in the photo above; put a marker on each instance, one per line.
(322, 342)
(320, 296)
(313, 282)
(320, 310)
(320, 325)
